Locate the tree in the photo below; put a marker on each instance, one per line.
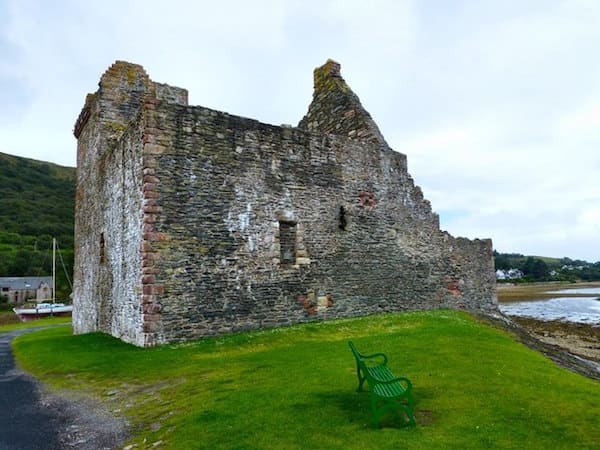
(21, 264)
(535, 268)
(502, 262)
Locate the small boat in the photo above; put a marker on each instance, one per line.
(42, 310)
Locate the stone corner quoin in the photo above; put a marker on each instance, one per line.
(192, 222)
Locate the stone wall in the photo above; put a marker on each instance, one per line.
(112, 195)
(214, 223)
(227, 185)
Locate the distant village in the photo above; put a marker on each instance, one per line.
(564, 273)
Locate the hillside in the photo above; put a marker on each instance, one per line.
(541, 268)
(37, 201)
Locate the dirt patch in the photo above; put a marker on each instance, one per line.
(424, 417)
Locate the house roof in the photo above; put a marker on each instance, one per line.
(24, 283)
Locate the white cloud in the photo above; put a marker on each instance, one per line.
(496, 104)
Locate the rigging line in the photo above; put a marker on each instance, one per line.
(62, 261)
(41, 268)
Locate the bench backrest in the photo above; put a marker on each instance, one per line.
(355, 352)
(359, 357)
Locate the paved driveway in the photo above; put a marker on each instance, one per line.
(30, 421)
(25, 423)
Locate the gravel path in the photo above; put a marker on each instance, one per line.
(31, 418)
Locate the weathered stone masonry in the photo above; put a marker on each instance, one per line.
(193, 222)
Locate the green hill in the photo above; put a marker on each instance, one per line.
(543, 268)
(37, 201)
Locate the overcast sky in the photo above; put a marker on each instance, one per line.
(495, 103)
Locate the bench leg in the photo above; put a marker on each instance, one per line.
(396, 405)
(410, 410)
(375, 413)
(361, 380)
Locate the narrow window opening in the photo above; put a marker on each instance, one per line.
(102, 254)
(343, 220)
(287, 242)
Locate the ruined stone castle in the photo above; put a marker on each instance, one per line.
(193, 222)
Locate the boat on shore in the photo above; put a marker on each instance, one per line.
(41, 310)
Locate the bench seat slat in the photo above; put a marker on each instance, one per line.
(389, 390)
(382, 373)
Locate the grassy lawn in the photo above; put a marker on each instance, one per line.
(9, 321)
(294, 388)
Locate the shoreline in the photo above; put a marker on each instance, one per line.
(580, 339)
(519, 292)
(563, 355)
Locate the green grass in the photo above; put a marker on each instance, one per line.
(9, 321)
(294, 388)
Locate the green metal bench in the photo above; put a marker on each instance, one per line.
(388, 392)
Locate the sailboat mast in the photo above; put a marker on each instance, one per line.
(53, 269)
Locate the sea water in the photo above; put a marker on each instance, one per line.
(566, 309)
(590, 291)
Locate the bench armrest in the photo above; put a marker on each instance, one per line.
(376, 355)
(401, 380)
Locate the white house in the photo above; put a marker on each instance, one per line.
(510, 274)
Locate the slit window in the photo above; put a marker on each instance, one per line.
(343, 220)
(102, 254)
(287, 242)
